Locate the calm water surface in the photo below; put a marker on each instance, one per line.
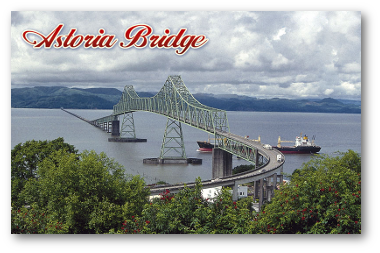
(334, 132)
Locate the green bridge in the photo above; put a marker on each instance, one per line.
(176, 103)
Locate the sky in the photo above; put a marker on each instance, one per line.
(264, 54)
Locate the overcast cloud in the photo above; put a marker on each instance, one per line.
(260, 54)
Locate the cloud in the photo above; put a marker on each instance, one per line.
(350, 88)
(261, 54)
(328, 92)
(352, 67)
(281, 32)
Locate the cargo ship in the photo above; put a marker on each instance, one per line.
(302, 145)
(205, 146)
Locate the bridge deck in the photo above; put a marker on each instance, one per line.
(271, 167)
(176, 102)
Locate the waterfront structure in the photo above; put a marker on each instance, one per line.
(176, 103)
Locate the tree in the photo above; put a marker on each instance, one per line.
(188, 213)
(66, 192)
(87, 192)
(24, 162)
(322, 197)
(35, 221)
(242, 168)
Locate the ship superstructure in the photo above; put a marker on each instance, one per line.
(302, 145)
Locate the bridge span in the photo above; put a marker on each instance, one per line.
(265, 178)
(176, 103)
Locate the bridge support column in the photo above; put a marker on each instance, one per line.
(256, 192)
(115, 127)
(221, 163)
(281, 179)
(235, 192)
(274, 183)
(269, 189)
(125, 133)
(261, 193)
(108, 126)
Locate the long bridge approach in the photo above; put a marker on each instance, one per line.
(176, 103)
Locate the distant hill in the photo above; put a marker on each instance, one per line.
(105, 98)
(70, 98)
(245, 103)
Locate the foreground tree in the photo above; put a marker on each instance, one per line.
(35, 221)
(322, 197)
(188, 213)
(24, 162)
(89, 193)
(80, 193)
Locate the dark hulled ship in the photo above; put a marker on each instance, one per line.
(205, 146)
(302, 145)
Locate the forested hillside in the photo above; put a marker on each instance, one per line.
(105, 98)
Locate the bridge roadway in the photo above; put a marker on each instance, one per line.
(176, 102)
(273, 166)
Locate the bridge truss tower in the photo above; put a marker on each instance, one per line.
(173, 146)
(128, 126)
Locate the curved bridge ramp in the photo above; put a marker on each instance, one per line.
(176, 102)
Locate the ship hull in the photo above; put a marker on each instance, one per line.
(205, 146)
(299, 150)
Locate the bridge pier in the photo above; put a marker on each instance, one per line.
(173, 147)
(125, 132)
(221, 163)
(261, 192)
(235, 191)
(264, 188)
(108, 126)
(115, 127)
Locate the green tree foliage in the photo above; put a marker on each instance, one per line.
(33, 221)
(82, 193)
(66, 192)
(323, 197)
(242, 168)
(188, 213)
(25, 158)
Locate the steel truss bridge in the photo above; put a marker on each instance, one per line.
(176, 103)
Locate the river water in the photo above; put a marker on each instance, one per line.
(334, 132)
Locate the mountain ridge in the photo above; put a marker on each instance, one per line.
(104, 98)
